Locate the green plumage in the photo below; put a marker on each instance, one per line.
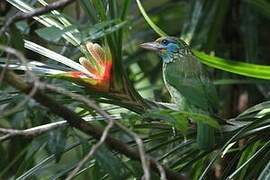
(192, 91)
(187, 83)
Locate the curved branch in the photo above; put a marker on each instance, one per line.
(39, 11)
(74, 120)
(38, 130)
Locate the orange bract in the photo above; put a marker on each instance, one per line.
(100, 66)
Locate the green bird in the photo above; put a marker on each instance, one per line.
(187, 83)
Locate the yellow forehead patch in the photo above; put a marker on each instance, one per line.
(160, 39)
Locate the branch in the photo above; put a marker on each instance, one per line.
(93, 105)
(38, 130)
(39, 11)
(31, 132)
(21, 58)
(74, 120)
(92, 151)
(144, 158)
(89, 103)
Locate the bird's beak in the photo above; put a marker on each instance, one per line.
(154, 46)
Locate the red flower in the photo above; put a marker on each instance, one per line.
(99, 65)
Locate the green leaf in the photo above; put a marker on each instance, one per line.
(203, 118)
(100, 9)
(125, 8)
(55, 56)
(16, 39)
(249, 160)
(265, 173)
(149, 21)
(33, 149)
(262, 6)
(173, 117)
(180, 118)
(88, 9)
(50, 33)
(47, 20)
(241, 68)
(110, 163)
(43, 163)
(258, 107)
(222, 149)
(3, 40)
(57, 142)
(245, 156)
(23, 27)
(220, 82)
(101, 30)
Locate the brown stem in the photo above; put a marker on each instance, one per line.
(39, 11)
(75, 121)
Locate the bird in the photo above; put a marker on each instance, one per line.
(188, 83)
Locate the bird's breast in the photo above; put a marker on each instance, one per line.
(176, 97)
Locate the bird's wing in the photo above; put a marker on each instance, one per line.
(188, 78)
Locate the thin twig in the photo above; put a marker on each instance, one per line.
(21, 57)
(139, 142)
(75, 121)
(38, 130)
(31, 132)
(39, 11)
(6, 136)
(161, 172)
(90, 103)
(3, 72)
(92, 151)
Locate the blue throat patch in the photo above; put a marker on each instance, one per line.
(168, 55)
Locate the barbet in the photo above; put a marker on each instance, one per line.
(187, 83)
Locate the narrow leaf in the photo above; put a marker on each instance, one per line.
(149, 21)
(241, 68)
(50, 33)
(57, 57)
(265, 173)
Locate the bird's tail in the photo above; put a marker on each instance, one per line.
(205, 136)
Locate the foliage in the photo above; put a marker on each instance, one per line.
(54, 42)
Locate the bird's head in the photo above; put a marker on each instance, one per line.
(169, 48)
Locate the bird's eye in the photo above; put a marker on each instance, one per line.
(165, 42)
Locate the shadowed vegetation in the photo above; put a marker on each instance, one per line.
(86, 57)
